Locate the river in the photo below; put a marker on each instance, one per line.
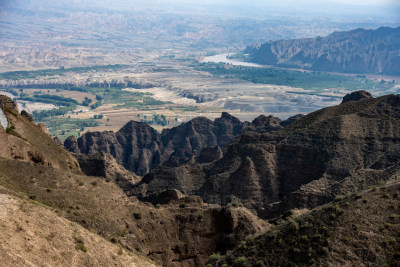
(224, 58)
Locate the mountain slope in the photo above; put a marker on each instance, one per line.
(356, 51)
(22, 140)
(332, 151)
(183, 231)
(355, 230)
(272, 167)
(32, 235)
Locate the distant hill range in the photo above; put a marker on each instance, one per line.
(356, 51)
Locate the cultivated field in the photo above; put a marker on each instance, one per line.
(170, 91)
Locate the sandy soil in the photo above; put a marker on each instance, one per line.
(164, 94)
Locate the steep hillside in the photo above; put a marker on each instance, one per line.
(181, 232)
(332, 151)
(140, 148)
(355, 230)
(356, 51)
(22, 140)
(33, 235)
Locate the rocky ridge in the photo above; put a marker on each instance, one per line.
(104, 165)
(307, 163)
(140, 148)
(356, 51)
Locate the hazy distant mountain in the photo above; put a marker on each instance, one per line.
(356, 51)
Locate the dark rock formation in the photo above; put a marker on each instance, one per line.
(265, 124)
(8, 103)
(199, 133)
(291, 120)
(165, 197)
(105, 165)
(188, 179)
(328, 152)
(136, 146)
(210, 154)
(27, 115)
(72, 144)
(355, 96)
(356, 51)
(140, 148)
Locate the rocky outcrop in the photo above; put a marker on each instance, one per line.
(210, 154)
(58, 141)
(27, 115)
(305, 164)
(8, 103)
(105, 165)
(136, 146)
(356, 51)
(182, 141)
(140, 148)
(187, 178)
(71, 143)
(355, 96)
(291, 120)
(265, 124)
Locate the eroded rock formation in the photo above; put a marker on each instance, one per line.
(140, 148)
(302, 165)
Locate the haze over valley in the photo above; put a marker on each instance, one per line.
(160, 43)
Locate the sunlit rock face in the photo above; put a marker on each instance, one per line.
(6, 103)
